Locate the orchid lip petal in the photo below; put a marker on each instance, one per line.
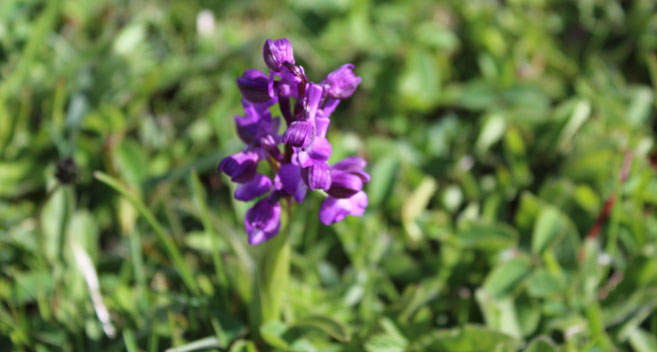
(263, 220)
(258, 186)
(320, 150)
(292, 183)
(335, 210)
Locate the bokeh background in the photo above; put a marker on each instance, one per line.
(496, 132)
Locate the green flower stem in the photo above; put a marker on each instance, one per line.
(272, 275)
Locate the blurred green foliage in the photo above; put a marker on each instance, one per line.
(495, 133)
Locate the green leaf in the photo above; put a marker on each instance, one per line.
(507, 276)
(419, 84)
(132, 163)
(54, 222)
(549, 227)
(491, 132)
(384, 174)
(416, 204)
(486, 236)
(243, 346)
(201, 344)
(327, 324)
(581, 113)
(542, 344)
(227, 328)
(499, 314)
(542, 283)
(129, 341)
(272, 332)
(638, 111)
(385, 343)
(643, 341)
(129, 38)
(635, 321)
(528, 312)
(469, 338)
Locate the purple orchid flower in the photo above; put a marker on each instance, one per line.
(346, 196)
(301, 164)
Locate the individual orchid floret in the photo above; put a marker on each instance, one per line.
(336, 209)
(258, 186)
(255, 86)
(299, 157)
(354, 165)
(241, 167)
(346, 196)
(263, 221)
(256, 119)
(344, 184)
(342, 83)
(277, 52)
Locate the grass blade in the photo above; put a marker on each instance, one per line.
(199, 198)
(169, 245)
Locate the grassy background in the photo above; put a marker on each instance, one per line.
(495, 132)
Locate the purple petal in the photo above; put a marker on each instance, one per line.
(351, 163)
(317, 176)
(249, 125)
(314, 96)
(291, 77)
(329, 107)
(254, 86)
(344, 185)
(290, 177)
(322, 124)
(260, 185)
(299, 134)
(241, 167)
(318, 153)
(320, 150)
(342, 82)
(334, 210)
(263, 221)
(277, 52)
(364, 176)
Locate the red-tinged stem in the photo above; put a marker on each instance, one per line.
(609, 204)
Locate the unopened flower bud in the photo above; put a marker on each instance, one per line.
(277, 52)
(299, 134)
